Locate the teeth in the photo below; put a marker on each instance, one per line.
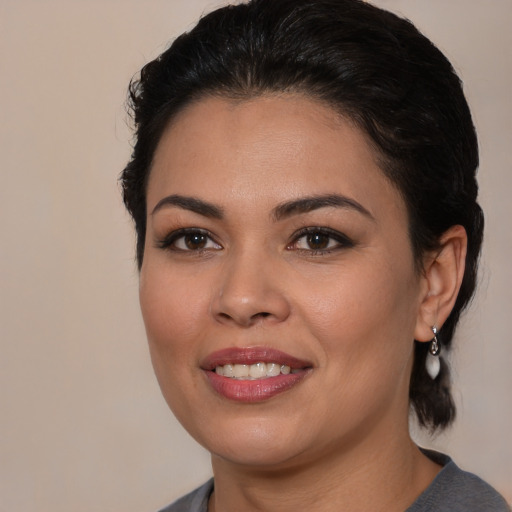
(273, 369)
(253, 371)
(258, 370)
(227, 370)
(240, 371)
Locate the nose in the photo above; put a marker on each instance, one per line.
(250, 291)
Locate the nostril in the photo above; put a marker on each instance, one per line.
(244, 320)
(263, 314)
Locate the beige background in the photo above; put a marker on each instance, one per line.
(82, 424)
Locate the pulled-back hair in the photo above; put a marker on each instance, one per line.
(368, 64)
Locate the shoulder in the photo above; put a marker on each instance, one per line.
(196, 501)
(455, 490)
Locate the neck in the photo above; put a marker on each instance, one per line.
(384, 476)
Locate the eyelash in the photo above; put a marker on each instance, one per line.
(342, 241)
(169, 242)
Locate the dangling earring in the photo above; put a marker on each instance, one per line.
(433, 363)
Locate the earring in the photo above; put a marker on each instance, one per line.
(433, 363)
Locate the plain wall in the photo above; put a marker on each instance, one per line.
(83, 426)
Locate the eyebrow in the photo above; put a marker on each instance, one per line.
(280, 212)
(192, 204)
(308, 204)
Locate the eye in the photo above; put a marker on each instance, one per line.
(189, 240)
(315, 241)
(318, 240)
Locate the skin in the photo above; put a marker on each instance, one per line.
(339, 439)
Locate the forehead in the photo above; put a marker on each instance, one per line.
(268, 148)
(283, 125)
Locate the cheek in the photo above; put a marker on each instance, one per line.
(363, 323)
(172, 309)
(173, 313)
(367, 310)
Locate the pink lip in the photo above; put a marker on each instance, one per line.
(250, 391)
(252, 355)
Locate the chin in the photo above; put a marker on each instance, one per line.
(264, 456)
(257, 443)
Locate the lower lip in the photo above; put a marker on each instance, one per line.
(257, 390)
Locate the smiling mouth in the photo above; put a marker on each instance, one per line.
(253, 374)
(256, 371)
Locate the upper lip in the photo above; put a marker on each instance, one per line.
(252, 355)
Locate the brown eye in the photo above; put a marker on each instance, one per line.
(318, 241)
(189, 240)
(195, 241)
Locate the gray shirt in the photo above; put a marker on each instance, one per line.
(452, 490)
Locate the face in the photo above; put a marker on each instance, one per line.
(278, 285)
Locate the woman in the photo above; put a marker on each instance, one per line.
(303, 190)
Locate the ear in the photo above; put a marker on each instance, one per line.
(443, 271)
